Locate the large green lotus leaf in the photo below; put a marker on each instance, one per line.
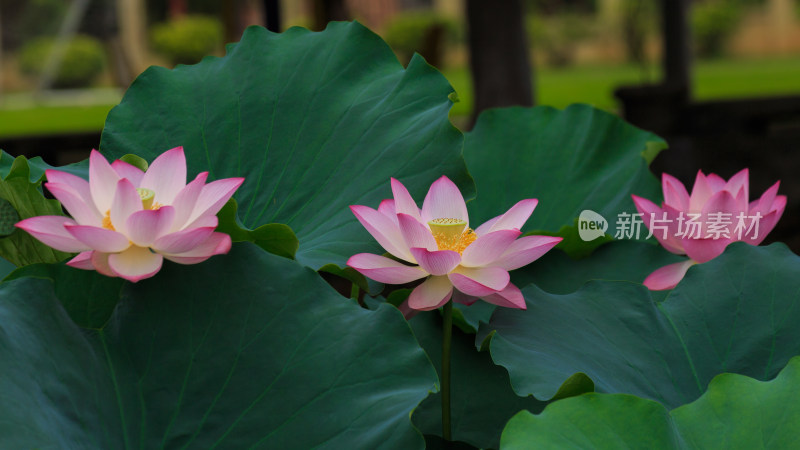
(737, 313)
(38, 166)
(737, 412)
(571, 160)
(481, 397)
(245, 350)
(557, 273)
(6, 267)
(88, 297)
(21, 198)
(315, 122)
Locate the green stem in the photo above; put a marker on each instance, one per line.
(447, 334)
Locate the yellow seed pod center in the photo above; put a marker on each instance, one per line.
(452, 234)
(147, 197)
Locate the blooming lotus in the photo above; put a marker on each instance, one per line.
(702, 224)
(437, 244)
(126, 221)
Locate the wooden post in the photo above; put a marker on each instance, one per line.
(677, 45)
(499, 57)
(272, 15)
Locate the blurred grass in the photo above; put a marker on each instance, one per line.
(42, 120)
(725, 78)
(715, 79)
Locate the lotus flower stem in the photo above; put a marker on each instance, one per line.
(447, 334)
(354, 292)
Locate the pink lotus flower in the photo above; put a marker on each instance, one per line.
(701, 225)
(125, 221)
(456, 261)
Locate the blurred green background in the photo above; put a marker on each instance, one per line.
(581, 50)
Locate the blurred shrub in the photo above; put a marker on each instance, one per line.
(713, 23)
(23, 21)
(639, 18)
(83, 59)
(557, 36)
(424, 32)
(188, 39)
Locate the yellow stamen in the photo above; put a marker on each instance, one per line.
(107, 221)
(450, 234)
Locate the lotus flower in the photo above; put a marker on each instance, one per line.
(437, 244)
(125, 221)
(720, 209)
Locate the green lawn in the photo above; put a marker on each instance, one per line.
(557, 87)
(42, 120)
(595, 84)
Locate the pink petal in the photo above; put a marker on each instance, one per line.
(464, 299)
(779, 204)
(489, 247)
(213, 197)
(131, 172)
(135, 263)
(386, 232)
(649, 211)
(82, 261)
(766, 223)
(182, 241)
(510, 297)
(764, 203)
(525, 250)
(715, 182)
(486, 226)
(166, 176)
(102, 181)
(701, 192)
(100, 263)
(403, 203)
(186, 200)
(444, 201)
(669, 276)
(205, 221)
(84, 213)
(144, 227)
(387, 209)
(479, 282)
(385, 270)
(739, 183)
(515, 217)
(77, 183)
(742, 204)
(96, 238)
(721, 202)
(431, 294)
(408, 312)
(51, 231)
(673, 243)
(703, 250)
(126, 202)
(675, 193)
(438, 262)
(216, 244)
(415, 233)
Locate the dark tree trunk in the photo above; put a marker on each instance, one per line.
(499, 58)
(272, 13)
(677, 45)
(329, 10)
(177, 8)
